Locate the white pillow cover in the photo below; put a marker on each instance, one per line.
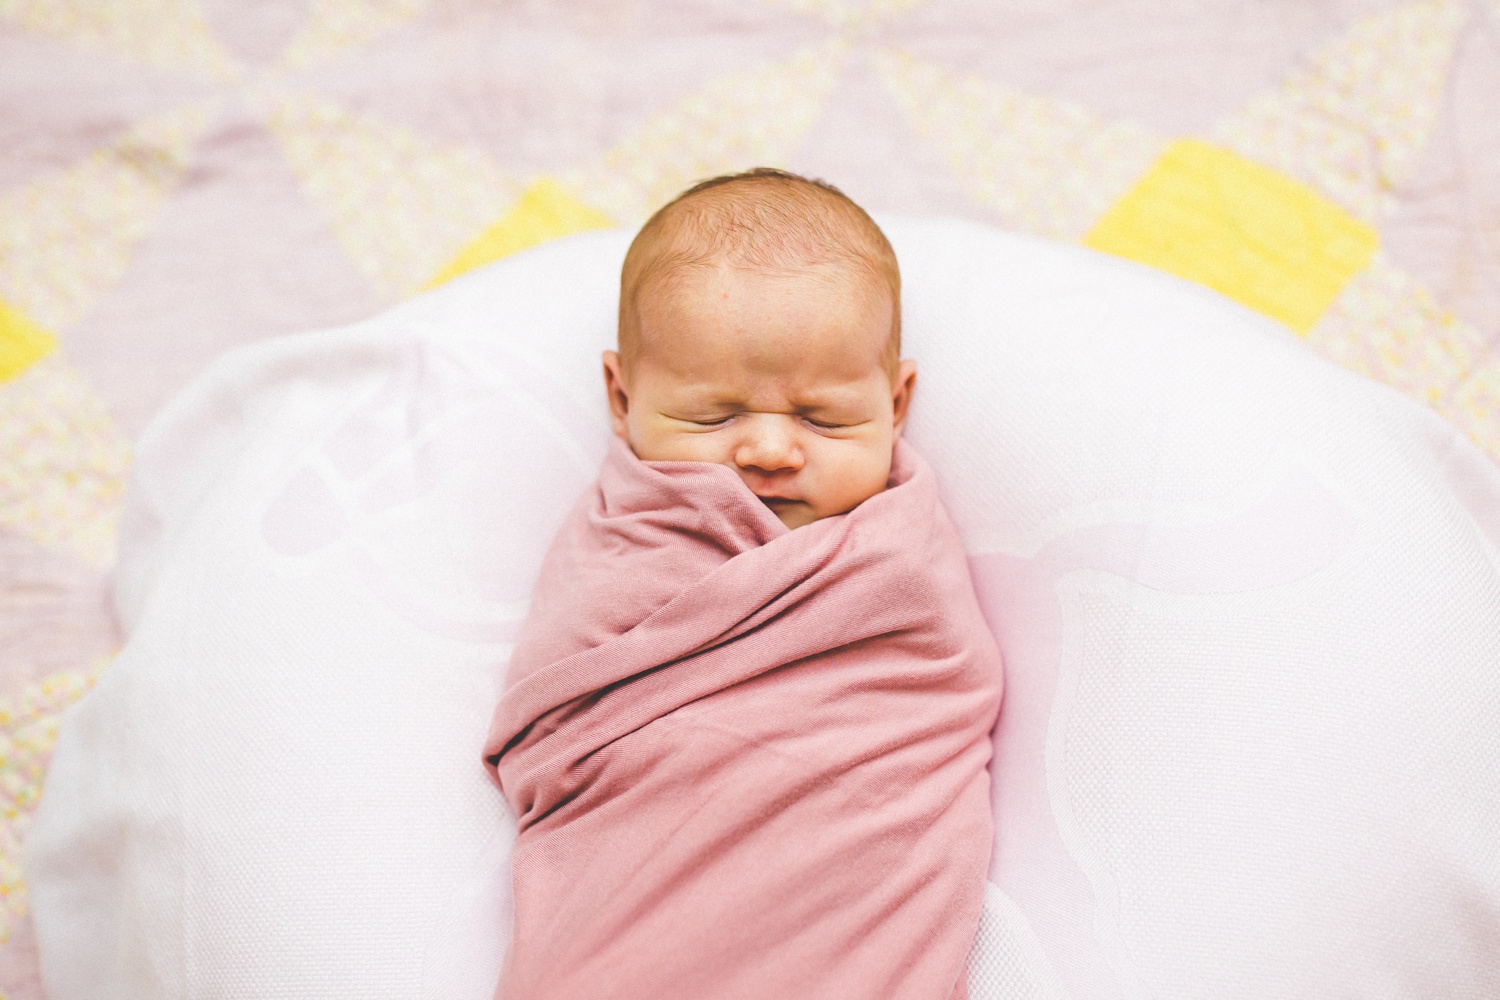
(1249, 603)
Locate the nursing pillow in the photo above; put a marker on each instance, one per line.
(1249, 605)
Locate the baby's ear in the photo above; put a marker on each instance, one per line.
(615, 392)
(902, 388)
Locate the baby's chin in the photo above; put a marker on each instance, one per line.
(792, 513)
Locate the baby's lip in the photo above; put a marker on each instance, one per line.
(773, 501)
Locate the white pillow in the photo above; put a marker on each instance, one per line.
(1249, 603)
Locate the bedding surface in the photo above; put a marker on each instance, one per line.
(1248, 604)
(747, 761)
(178, 178)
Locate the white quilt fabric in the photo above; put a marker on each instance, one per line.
(1249, 604)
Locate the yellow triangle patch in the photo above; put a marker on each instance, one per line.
(545, 211)
(22, 342)
(1209, 215)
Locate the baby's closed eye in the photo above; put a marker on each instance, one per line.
(821, 423)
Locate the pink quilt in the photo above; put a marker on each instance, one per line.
(747, 761)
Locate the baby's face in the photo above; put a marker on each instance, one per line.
(782, 378)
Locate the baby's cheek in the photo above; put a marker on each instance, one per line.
(656, 445)
(856, 473)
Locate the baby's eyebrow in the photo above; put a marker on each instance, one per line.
(838, 399)
(710, 399)
(803, 408)
(833, 398)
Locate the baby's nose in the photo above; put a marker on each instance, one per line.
(769, 444)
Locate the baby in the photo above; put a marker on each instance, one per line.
(760, 328)
(746, 725)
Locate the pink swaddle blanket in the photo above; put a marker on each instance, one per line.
(747, 762)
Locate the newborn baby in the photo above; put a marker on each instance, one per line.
(760, 329)
(746, 727)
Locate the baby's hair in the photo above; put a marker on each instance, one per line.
(766, 219)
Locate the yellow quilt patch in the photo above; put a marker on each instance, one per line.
(22, 342)
(1209, 215)
(546, 211)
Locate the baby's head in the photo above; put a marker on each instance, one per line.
(760, 328)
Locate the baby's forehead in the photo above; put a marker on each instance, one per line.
(833, 326)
